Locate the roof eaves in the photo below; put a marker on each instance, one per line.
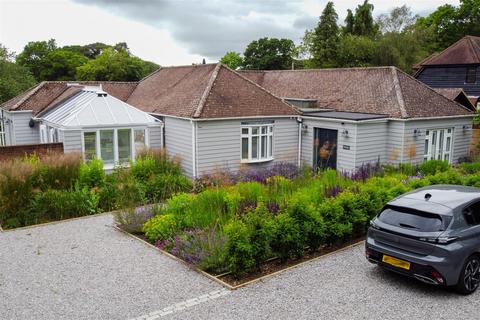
(398, 92)
(30, 93)
(206, 92)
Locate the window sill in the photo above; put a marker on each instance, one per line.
(257, 161)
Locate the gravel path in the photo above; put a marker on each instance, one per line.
(340, 286)
(85, 269)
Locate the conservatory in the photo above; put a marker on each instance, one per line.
(100, 126)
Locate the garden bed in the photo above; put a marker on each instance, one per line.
(239, 229)
(270, 268)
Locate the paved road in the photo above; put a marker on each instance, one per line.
(84, 269)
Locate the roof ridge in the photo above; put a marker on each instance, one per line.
(207, 90)
(472, 47)
(264, 89)
(399, 93)
(317, 69)
(433, 90)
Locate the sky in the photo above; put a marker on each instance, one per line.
(173, 32)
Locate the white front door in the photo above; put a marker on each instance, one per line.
(438, 144)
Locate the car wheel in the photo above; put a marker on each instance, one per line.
(469, 276)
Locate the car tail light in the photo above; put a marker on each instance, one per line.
(437, 276)
(439, 240)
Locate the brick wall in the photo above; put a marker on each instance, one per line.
(10, 152)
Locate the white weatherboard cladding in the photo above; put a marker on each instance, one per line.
(22, 132)
(395, 141)
(178, 141)
(219, 144)
(461, 136)
(371, 143)
(345, 158)
(90, 109)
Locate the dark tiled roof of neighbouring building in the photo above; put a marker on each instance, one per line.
(380, 90)
(464, 51)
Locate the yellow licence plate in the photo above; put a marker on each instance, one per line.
(396, 262)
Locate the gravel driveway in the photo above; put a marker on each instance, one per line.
(85, 269)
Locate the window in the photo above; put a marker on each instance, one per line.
(107, 152)
(471, 75)
(3, 139)
(472, 214)
(90, 145)
(257, 143)
(139, 140)
(124, 145)
(414, 219)
(438, 144)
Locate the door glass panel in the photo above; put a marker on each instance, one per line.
(255, 130)
(90, 144)
(124, 145)
(270, 146)
(447, 148)
(325, 148)
(106, 146)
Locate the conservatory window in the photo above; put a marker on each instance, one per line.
(124, 145)
(107, 152)
(257, 143)
(3, 140)
(139, 140)
(90, 145)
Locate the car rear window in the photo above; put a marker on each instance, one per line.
(414, 220)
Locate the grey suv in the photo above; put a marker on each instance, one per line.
(431, 234)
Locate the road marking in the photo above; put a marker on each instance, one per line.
(184, 305)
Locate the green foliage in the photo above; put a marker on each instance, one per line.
(325, 38)
(92, 174)
(113, 65)
(52, 205)
(355, 51)
(55, 171)
(60, 65)
(269, 54)
(160, 227)
(364, 25)
(239, 251)
(232, 59)
(310, 222)
(433, 166)
(14, 78)
(260, 225)
(288, 241)
(33, 55)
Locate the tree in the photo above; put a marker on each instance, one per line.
(397, 20)
(325, 38)
(114, 65)
(364, 25)
(33, 54)
(91, 51)
(14, 78)
(349, 22)
(61, 64)
(269, 54)
(355, 51)
(232, 59)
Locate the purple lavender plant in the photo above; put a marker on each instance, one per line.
(332, 191)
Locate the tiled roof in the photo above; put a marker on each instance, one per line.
(381, 90)
(458, 95)
(464, 51)
(205, 91)
(49, 93)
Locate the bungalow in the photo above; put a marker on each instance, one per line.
(216, 118)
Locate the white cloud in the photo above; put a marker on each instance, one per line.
(71, 23)
(172, 32)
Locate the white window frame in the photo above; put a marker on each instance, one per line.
(438, 147)
(3, 133)
(269, 155)
(115, 143)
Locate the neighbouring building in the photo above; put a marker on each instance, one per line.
(458, 66)
(214, 118)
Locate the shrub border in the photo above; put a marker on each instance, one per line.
(225, 284)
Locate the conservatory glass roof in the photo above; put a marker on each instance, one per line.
(92, 107)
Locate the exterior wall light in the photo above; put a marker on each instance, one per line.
(345, 133)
